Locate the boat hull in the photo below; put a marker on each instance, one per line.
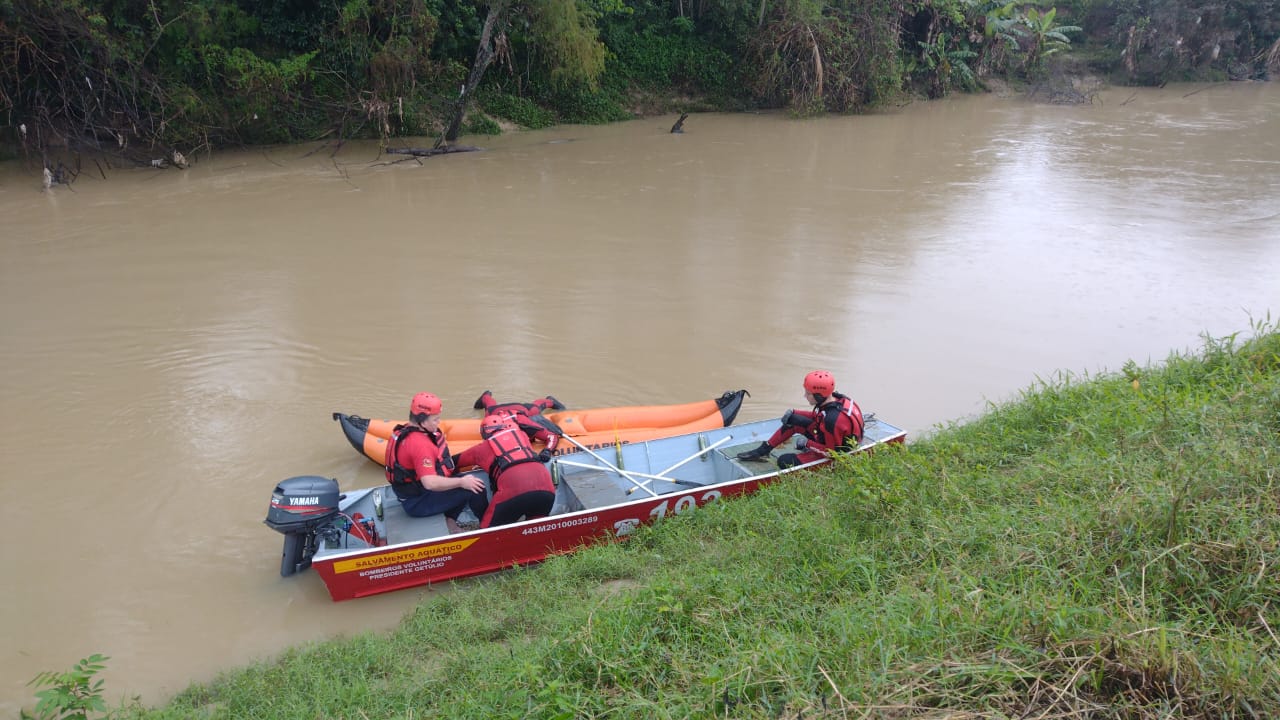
(600, 497)
(484, 551)
(594, 428)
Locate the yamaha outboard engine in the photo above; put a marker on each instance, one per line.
(299, 506)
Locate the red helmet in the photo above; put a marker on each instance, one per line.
(819, 382)
(424, 403)
(493, 424)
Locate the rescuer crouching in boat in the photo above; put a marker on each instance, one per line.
(835, 423)
(522, 484)
(422, 472)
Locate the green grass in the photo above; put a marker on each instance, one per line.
(1103, 547)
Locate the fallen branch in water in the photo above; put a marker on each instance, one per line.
(428, 152)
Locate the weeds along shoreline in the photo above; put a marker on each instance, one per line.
(1101, 546)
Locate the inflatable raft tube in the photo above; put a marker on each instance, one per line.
(594, 428)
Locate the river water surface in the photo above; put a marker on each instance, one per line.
(172, 343)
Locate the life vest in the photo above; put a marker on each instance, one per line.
(405, 480)
(510, 447)
(830, 412)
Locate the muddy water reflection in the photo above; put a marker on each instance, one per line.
(173, 344)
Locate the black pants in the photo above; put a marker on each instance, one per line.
(449, 503)
(530, 505)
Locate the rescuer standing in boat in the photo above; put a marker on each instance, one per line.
(835, 423)
(422, 472)
(528, 417)
(522, 484)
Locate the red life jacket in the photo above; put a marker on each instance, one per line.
(405, 480)
(825, 431)
(510, 447)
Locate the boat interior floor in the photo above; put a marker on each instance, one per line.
(580, 488)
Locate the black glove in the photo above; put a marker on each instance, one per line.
(761, 452)
(791, 419)
(544, 456)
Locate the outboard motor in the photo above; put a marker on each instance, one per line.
(299, 506)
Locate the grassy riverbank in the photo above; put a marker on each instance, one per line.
(1103, 547)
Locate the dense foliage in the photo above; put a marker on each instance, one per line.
(134, 76)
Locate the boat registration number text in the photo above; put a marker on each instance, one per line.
(683, 504)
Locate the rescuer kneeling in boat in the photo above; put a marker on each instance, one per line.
(422, 472)
(835, 423)
(522, 484)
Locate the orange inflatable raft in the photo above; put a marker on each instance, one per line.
(594, 428)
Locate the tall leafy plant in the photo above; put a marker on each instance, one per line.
(945, 65)
(1044, 36)
(70, 695)
(1001, 30)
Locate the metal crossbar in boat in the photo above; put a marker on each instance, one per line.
(646, 483)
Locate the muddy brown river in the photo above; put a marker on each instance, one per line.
(172, 343)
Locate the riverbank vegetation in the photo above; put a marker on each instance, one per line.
(1102, 547)
(145, 79)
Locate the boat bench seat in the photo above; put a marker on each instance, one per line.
(593, 489)
(402, 527)
(566, 501)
